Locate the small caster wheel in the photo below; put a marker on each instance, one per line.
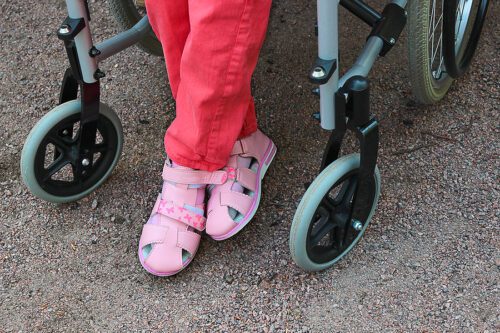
(322, 232)
(50, 154)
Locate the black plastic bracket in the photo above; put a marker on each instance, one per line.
(332, 149)
(391, 25)
(90, 97)
(69, 87)
(67, 32)
(352, 112)
(99, 74)
(94, 52)
(322, 70)
(368, 137)
(70, 28)
(357, 90)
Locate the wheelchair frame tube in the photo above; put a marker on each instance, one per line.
(328, 49)
(366, 59)
(123, 40)
(362, 10)
(368, 55)
(83, 40)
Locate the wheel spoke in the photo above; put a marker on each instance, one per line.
(341, 193)
(435, 39)
(54, 167)
(58, 142)
(440, 40)
(328, 204)
(99, 148)
(349, 194)
(324, 226)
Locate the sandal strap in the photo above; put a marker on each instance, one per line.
(246, 177)
(237, 148)
(239, 201)
(188, 240)
(158, 234)
(189, 177)
(181, 214)
(154, 234)
(251, 146)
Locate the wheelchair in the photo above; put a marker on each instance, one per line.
(74, 148)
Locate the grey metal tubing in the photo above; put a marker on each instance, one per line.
(123, 40)
(366, 59)
(362, 10)
(368, 55)
(83, 41)
(328, 49)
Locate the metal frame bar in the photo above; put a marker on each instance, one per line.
(328, 49)
(362, 10)
(83, 40)
(328, 32)
(123, 40)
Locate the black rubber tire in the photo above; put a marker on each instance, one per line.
(426, 89)
(457, 64)
(126, 15)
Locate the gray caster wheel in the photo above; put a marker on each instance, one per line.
(50, 154)
(322, 232)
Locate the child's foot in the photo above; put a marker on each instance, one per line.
(233, 204)
(171, 236)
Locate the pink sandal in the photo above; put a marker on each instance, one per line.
(171, 236)
(229, 210)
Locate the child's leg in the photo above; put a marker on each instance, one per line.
(250, 122)
(170, 22)
(211, 49)
(214, 102)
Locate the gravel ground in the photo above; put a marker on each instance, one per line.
(428, 263)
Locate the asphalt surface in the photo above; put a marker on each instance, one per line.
(428, 263)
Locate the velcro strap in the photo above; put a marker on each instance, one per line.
(239, 201)
(153, 234)
(188, 241)
(247, 178)
(181, 214)
(190, 177)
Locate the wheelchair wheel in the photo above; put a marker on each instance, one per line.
(442, 38)
(428, 76)
(50, 158)
(129, 12)
(462, 25)
(322, 231)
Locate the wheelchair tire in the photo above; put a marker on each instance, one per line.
(428, 78)
(126, 15)
(51, 152)
(321, 233)
(461, 33)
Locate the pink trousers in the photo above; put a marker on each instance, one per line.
(211, 49)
